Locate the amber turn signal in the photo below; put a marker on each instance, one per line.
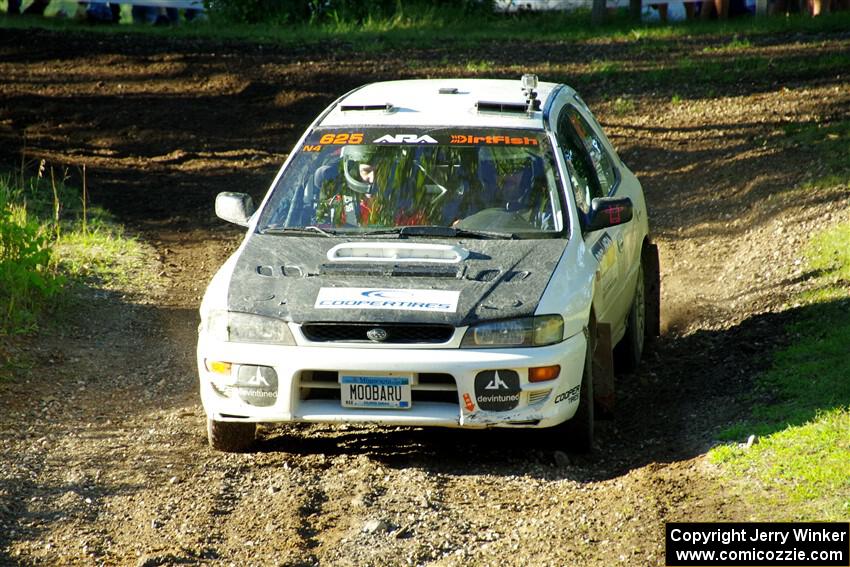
(543, 373)
(217, 367)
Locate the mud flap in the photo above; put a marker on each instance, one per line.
(652, 286)
(603, 371)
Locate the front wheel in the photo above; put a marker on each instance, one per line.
(231, 436)
(576, 434)
(579, 429)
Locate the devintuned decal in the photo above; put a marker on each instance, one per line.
(257, 385)
(497, 390)
(391, 299)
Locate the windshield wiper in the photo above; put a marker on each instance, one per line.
(315, 230)
(495, 235)
(440, 232)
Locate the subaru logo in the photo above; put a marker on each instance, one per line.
(377, 335)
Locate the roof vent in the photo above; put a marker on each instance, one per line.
(386, 107)
(495, 106)
(531, 104)
(448, 90)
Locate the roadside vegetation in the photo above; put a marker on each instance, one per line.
(51, 243)
(796, 444)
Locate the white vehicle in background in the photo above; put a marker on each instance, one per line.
(452, 252)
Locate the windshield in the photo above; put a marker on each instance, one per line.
(498, 182)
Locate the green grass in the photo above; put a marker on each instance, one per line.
(830, 142)
(480, 66)
(734, 46)
(802, 421)
(431, 28)
(623, 106)
(51, 243)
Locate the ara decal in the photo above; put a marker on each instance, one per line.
(405, 139)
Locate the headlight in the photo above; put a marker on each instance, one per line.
(528, 331)
(246, 328)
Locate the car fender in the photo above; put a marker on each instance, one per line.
(215, 297)
(570, 289)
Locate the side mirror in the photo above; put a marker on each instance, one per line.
(609, 211)
(234, 207)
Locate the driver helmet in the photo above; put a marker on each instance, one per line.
(352, 157)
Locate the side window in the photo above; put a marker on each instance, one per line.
(580, 167)
(602, 164)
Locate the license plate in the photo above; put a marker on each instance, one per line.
(375, 391)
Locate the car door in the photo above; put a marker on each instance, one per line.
(592, 174)
(622, 184)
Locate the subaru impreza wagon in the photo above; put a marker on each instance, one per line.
(454, 252)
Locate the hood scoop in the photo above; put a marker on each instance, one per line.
(392, 270)
(397, 253)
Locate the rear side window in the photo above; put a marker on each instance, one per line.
(602, 164)
(583, 177)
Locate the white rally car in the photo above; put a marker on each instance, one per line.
(453, 252)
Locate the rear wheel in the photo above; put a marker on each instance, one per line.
(643, 323)
(230, 436)
(631, 346)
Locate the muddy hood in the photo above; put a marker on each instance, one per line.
(455, 282)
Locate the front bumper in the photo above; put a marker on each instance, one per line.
(305, 386)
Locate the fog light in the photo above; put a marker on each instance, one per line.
(543, 373)
(218, 367)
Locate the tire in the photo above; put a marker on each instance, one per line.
(652, 275)
(630, 349)
(644, 320)
(579, 428)
(230, 436)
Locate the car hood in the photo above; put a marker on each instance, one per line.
(413, 280)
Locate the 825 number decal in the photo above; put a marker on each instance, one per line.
(341, 139)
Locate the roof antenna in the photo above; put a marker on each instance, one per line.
(529, 83)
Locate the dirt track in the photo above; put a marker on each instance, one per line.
(103, 456)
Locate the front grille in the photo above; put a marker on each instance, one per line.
(395, 333)
(430, 387)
